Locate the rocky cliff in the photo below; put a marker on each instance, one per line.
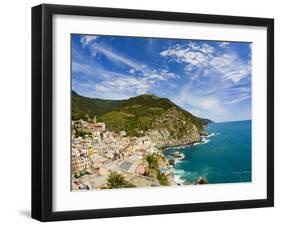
(174, 128)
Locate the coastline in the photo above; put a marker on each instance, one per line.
(225, 159)
(183, 145)
(177, 178)
(93, 161)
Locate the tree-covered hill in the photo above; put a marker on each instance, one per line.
(138, 115)
(83, 106)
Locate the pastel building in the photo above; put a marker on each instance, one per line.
(80, 163)
(99, 126)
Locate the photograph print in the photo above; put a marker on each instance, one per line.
(156, 112)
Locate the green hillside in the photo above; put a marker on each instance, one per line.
(82, 106)
(135, 115)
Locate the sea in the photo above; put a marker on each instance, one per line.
(224, 156)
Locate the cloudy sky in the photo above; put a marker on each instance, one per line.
(211, 79)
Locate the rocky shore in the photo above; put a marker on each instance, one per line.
(177, 155)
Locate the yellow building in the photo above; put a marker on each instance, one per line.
(80, 163)
(91, 152)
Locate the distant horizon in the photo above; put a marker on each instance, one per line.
(235, 121)
(210, 79)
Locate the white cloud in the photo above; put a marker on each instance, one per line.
(87, 39)
(231, 67)
(159, 75)
(122, 85)
(239, 99)
(113, 85)
(118, 87)
(192, 54)
(76, 67)
(111, 55)
(207, 49)
(215, 78)
(200, 100)
(237, 94)
(90, 70)
(135, 67)
(195, 56)
(224, 44)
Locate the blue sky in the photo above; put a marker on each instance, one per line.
(211, 79)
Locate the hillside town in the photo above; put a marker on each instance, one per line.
(104, 159)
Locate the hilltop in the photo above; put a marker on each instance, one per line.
(163, 121)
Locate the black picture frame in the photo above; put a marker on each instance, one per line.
(42, 196)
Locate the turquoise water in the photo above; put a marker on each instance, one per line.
(224, 158)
